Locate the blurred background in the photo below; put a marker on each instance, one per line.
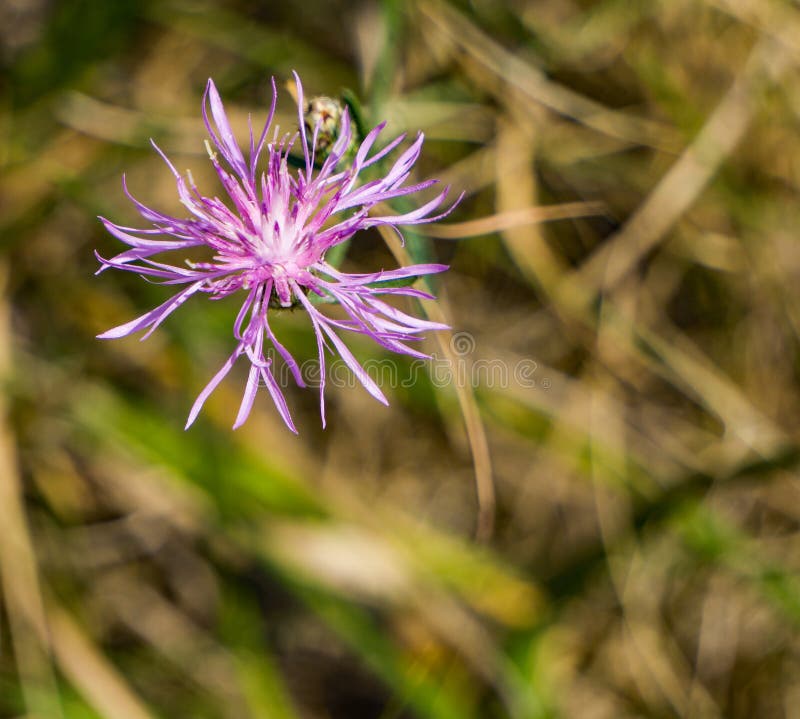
(615, 536)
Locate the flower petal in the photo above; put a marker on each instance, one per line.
(153, 318)
(212, 385)
(225, 141)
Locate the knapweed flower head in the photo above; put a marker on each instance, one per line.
(267, 243)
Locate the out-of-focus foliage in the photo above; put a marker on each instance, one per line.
(635, 365)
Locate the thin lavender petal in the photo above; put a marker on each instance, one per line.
(352, 363)
(416, 216)
(291, 362)
(212, 385)
(384, 151)
(278, 398)
(157, 315)
(399, 273)
(256, 153)
(249, 395)
(225, 141)
(301, 122)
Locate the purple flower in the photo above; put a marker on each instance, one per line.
(268, 243)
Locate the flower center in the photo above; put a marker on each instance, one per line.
(282, 274)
